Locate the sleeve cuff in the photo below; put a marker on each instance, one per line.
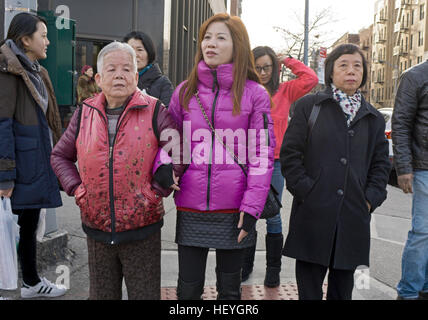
(163, 176)
(249, 222)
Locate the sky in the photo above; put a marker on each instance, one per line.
(260, 16)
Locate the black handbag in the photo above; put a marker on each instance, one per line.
(273, 204)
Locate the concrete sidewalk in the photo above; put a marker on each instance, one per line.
(68, 218)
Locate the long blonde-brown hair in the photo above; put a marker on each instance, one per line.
(243, 61)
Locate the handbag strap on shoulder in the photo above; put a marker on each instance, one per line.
(232, 154)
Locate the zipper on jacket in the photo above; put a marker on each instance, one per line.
(111, 173)
(215, 85)
(111, 188)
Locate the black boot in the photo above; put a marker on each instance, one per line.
(274, 243)
(248, 263)
(190, 290)
(228, 285)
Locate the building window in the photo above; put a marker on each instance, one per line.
(412, 17)
(421, 38)
(411, 41)
(422, 12)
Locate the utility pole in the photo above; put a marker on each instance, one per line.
(306, 46)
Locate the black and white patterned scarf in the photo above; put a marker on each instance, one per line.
(350, 104)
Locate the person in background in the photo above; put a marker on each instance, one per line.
(410, 143)
(336, 165)
(283, 95)
(29, 125)
(114, 137)
(86, 85)
(151, 80)
(218, 204)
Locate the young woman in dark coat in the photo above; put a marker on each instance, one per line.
(151, 80)
(337, 173)
(29, 126)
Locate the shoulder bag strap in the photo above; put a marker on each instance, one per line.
(232, 154)
(313, 118)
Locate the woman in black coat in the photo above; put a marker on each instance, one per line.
(151, 80)
(337, 172)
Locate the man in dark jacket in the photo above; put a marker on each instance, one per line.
(410, 143)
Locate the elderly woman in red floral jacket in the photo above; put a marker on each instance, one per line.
(114, 136)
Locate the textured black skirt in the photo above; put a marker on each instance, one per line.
(211, 230)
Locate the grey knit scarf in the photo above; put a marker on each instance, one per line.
(33, 72)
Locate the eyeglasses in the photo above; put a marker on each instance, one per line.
(266, 69)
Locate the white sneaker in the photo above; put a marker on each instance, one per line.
(44, 288)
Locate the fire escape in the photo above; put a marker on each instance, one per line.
(402, 35)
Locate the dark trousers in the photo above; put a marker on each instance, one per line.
(28, 220)
(138, 262)
(310, 278)
(192, 262)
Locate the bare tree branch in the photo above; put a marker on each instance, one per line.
(294, 40)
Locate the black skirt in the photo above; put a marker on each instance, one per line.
(211, 230)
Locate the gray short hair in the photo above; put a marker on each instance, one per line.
(115, 46)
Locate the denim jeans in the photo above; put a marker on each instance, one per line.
(414, 267)
(274, 224)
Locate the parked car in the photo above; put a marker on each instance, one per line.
(387, 115)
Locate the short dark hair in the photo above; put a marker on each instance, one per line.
(147, 43)
(23, 24)
(336, 54)
(273, 83)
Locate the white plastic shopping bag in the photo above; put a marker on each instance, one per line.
(9, 232)
(41, 227)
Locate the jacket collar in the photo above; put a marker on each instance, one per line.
(152, 74)
(221, 76)
(99, 102)
(327, 94)
(26, 63)
(365, 109)
(10, 63)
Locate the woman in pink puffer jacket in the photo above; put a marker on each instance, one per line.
(218, 205)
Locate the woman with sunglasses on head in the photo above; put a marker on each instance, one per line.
(283, 95)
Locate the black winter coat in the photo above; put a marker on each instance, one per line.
(25, 143)
(331, 176)
(156, 84)
(410, 121)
